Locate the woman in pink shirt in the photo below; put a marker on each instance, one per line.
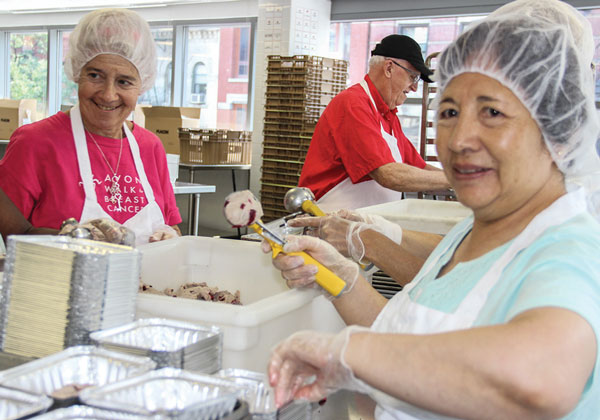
(91, 163)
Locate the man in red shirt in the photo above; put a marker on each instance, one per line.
(358, 155)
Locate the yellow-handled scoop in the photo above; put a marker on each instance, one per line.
(300, 198)
(242, 209)
(324, 277)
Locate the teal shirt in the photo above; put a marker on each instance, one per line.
(561, 268)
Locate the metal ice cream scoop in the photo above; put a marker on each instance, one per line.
(300, 198)
(326, 278)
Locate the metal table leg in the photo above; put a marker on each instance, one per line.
(196, 199)
(239, 232)
(191, 210)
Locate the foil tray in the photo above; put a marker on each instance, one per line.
(79, 366)
(78, 412)
(15, 404)
(169, 343)
(167, 393)
(255, 390)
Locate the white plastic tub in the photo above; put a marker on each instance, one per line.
(431, 216)
(270, 311)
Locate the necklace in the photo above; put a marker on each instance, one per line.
(115, 187)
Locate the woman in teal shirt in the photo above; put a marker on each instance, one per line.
(503, 318)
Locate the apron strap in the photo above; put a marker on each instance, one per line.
(563, 209)
(139, 165)
(83, 157)
(391, 141)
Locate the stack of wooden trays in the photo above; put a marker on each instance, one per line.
(298, 90)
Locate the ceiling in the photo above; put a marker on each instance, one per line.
(57, 6)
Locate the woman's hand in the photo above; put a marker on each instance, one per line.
(343, 230)
(332, 229)
(299, 275)
(306, 355)
(104, 230)
(163, 233)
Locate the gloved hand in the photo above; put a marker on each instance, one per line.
(332, 229)
(163, 233)
(105, 230)
(310, 354)
(342, 230)
(299, 275)
(381, 224)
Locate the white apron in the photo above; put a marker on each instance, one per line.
(347, 195)
(402, 315)
(147, 219)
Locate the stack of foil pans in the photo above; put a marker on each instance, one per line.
(255, 390)
(169, 343)
(15, 404)
(57, 289)
(78, 412)
(63, 375)
(167, 393)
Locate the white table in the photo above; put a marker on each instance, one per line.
(194, 191)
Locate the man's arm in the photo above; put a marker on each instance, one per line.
(402, 177)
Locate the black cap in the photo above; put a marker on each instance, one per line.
(404, 48)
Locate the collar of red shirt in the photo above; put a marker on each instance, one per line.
(382, 107)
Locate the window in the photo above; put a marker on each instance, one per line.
(29, 67)
(199, 84)
(217, 66)
(68, 88)
(160, 93)
(243, 47)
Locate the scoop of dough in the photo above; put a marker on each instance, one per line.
(242, 208)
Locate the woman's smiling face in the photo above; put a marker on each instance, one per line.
(109, 86)
(490, 147)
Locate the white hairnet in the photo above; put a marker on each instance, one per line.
(112, 31)
(541, 50)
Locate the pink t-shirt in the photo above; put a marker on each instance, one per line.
(40, 173)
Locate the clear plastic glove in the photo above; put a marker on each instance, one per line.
(299, 275)
(163, 233)
(105, 230)
(390, 229)
(342, 230)
(332, 229)
(310, 365)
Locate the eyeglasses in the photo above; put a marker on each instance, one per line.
(414, 76)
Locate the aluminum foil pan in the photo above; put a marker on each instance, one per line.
(169, 343)
(255, 390)
(88, 285)
(15, 404)
(63, 375)
(79, 412)
(167, 393)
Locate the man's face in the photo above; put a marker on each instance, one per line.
(404, 78)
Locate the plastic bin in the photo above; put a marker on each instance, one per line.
(431, 216)
(269, 312)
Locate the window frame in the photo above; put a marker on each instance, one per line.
(53, 83)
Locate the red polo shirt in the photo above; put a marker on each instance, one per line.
(347, 141)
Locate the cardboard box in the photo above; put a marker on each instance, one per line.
(137, 116)
(14, 113)
(165, 120)
(270, 311)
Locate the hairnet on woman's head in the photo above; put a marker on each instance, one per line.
(112, 31)
(542, 51)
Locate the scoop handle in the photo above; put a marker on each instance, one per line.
(310, 207)
(325, 278)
